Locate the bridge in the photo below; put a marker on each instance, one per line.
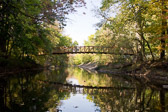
(89, 49)
(82, 89)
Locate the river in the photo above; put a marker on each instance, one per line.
(73, 89)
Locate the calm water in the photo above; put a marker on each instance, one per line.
(51, 91)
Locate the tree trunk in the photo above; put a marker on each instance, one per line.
(164, 28)
(141, 33)
(4, 26)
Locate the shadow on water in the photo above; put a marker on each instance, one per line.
(56, 91)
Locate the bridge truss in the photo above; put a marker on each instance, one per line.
(89, 49)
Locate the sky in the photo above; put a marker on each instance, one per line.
(80, 25)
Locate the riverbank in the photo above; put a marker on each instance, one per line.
(153, 72)
(13, 65)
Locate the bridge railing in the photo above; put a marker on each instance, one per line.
(87, 49)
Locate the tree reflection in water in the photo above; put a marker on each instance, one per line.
(25, 92)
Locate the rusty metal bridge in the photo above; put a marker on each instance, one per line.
(89, 49)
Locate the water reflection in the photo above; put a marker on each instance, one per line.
(76, 90)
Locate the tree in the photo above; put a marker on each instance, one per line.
(164, 28)
(24, 24)
(139, 21)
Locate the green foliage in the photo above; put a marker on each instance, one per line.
(30, 27)
(76, 60)
(81, 59)
(137, 27)
(90, 41)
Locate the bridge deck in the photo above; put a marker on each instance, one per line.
(89, 49)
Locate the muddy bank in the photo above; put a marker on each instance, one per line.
(148, 72)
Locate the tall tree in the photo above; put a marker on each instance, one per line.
(23, 24)
(164, 28)
(141, 20)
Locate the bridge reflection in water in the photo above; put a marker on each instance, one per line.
(90, 49)
(40, 92)
(81, 89)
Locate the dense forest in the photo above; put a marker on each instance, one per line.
(28, 28)
(139, 26)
